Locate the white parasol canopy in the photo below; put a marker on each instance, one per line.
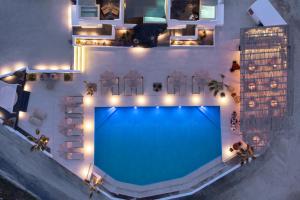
(8, 96)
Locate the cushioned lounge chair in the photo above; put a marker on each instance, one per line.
(74, 156)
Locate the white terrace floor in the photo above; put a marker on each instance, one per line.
(154, 64)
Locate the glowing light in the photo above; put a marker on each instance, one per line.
(273, 84)
(88, 100)
(141, 100)
(41, 67)
(195, 99)
(5, 70)
(69, 17)
(54, 67)
(1, 115)
(88, 126)
(22, 115)
(227, 154)
(65, 67)
(179, 107)
(169, 99)
(251, 86)
(157, 107)
(9, 78)
(223, 100)
(251, 104)
(88, 149)
(27, 87)
(93, 33)
(84, 171)
(274, 103)
(114, 100)
(19, 66)
(122, 31)
(139, 52)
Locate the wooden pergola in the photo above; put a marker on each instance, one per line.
(264, 78)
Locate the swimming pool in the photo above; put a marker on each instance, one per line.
(147, 145)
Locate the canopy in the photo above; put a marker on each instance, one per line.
(8, 96)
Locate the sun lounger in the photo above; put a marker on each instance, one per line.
(74, 156)
(73, 144)
(75, 110)
(74, 120)
(73, 100)
(74, 132)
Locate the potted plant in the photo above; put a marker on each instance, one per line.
(31, 77)
(218, 87)
(91, 88)
(68, 77)
(40, 143)
(202, 35)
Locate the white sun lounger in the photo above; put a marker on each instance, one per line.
(74, 132)
(72, 120)
(74, 156)
(71, 100)
(75, 110)
(73, 144)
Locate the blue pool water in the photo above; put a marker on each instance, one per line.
(147, 145)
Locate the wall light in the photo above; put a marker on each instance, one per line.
(88, 101)
(88, 149)
(114, 100)
(195, 99)
(84, 170)
(22, 115)
(223, 100)
(138, 52)
(141, 100)
(27, 87)
(169, 99)
(88, 126)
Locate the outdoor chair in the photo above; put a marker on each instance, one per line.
(177, 83)
(73, 144)
(74, 156)
(133, 83)
(109, 83)
(73, 100)
(74, 110)
(74, 132)
(200, 81)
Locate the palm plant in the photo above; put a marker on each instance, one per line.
(91, 88)
(40, 143)
(94, 183)
(218, 87)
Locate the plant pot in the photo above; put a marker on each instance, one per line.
(31, 77)
(68, 77)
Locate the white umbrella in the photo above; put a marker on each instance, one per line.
(8, 96)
